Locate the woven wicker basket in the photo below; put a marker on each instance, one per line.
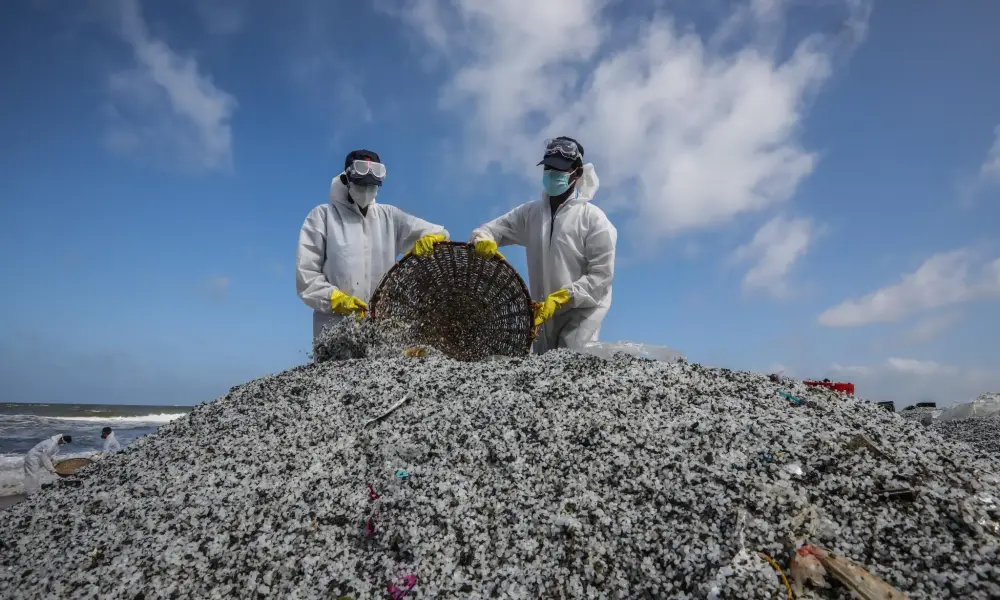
(466, 306)
(70, 465)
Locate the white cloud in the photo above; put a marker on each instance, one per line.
(908, 380)
(919, 367)
(990, 169)
(850, 369)
(930, 328)
(165, 107)
(988, 175)
(775, 249)
(944, 279)
(686, 133)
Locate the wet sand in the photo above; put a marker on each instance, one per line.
(8, 501)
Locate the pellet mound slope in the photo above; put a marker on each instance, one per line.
(560, 476)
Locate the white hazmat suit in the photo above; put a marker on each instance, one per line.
(575, 251)
(37, 461)
(111, 445)
(342, 249)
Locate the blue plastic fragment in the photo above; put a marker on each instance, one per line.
(402, 474)
(790, 397)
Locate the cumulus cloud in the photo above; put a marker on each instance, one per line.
(687, 130)
(944, 279)
(165, 108)
(909, 380)
(774, 250)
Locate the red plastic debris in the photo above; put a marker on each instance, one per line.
(398, 594)
(847, 388)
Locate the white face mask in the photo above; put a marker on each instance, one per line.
(363, 195)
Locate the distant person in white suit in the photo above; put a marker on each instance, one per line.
(39, 459)
(111, 444)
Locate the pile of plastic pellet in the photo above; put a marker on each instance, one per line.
(560, 476)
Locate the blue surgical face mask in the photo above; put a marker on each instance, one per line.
(555, 182)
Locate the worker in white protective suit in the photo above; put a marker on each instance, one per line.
(38, 460)
(349, 243)
(111, 444)
(570, 246)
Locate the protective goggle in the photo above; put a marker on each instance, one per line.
(567, 148)
(363, 168)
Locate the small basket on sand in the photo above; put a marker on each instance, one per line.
(69, 466)
(466, 306)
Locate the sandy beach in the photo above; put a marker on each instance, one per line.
(8, 501)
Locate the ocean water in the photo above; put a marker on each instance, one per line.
(24, 425)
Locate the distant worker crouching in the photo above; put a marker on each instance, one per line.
(39, 459)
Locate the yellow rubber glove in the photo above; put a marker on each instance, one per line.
(488, 249)
(343, 304)
(546, 309)
(425, 245)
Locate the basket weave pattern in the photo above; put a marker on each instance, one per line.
(466, 306)
(70, 465)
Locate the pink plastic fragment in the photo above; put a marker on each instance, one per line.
(396, 593)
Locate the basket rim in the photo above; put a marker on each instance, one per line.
(71, 459)
(70, 462)
(373, 301)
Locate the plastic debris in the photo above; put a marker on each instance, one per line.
(391, 410)
(395, 593)
(794, 399)
(902, 495)
(794, 469)
(862, 441)
(777, 568)
(854, 577)
(742, 565)
(807, 568)
(846, 388)
(986, 405)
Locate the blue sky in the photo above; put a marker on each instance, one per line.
(813, 190)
